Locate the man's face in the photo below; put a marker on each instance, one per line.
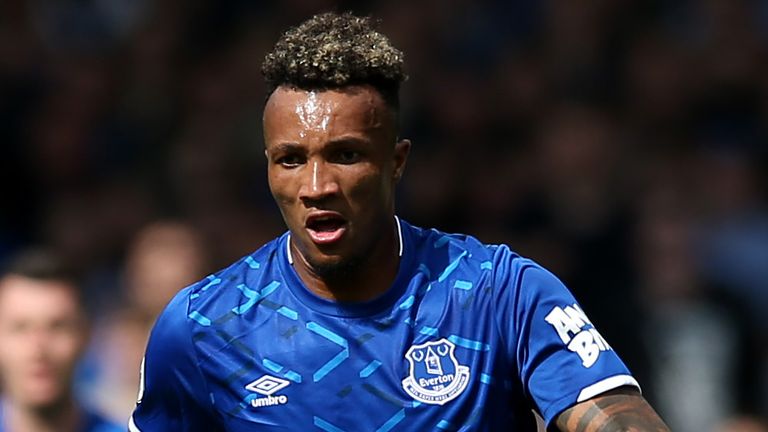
(333, 165)
(42, 334)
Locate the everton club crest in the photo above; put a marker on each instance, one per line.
(435, 377)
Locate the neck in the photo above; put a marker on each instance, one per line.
(62, 416)
(360, 281)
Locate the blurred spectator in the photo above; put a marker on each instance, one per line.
(732, 239)
(701, 358)
(733, 227)
(576, 219)
(163, 258)
(742, 424)
(43, 332)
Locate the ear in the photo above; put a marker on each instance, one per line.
(402, 149)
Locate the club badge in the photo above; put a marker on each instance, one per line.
(435, 376)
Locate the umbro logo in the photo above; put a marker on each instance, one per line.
(268, 385)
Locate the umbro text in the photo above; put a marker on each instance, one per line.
(269, 401)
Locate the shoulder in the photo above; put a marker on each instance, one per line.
(436, 245)
(511, 283)
(216, 294)
(465, 253)
(200, 304)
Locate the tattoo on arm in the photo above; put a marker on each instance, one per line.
(620, 410)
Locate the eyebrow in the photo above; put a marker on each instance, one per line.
(290, 146)
(347, 139)
(286, 147)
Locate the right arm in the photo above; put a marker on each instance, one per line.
(619, 410)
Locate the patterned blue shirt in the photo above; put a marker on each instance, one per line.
(469, 337)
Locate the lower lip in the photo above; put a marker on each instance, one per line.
(326, 237)
(44, 376)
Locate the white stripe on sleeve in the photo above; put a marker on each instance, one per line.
(605, 385)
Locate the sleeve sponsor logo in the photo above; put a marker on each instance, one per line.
(577, 333)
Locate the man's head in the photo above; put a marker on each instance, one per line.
(330, 130)
(162, 258)
(42, 330)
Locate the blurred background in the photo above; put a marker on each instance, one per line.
(623, 144)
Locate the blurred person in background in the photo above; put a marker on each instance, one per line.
(43, 331)
(163, 257)
(743, 424)
(702, 352)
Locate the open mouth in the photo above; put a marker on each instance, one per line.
(326, 228)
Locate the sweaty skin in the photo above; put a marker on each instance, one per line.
(620, 410)
(334, 154)
(312, 114)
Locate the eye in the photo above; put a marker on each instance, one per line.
(64, 326)
(290, 160)
(18, 327)
(348, 156)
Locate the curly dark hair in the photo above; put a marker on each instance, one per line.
(333, 50)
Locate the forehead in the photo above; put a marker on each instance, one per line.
(350, 109)
(24, 296)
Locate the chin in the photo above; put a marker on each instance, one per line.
(42, 396)
(332, 266)
(43, 401)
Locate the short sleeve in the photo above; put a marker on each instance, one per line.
(172, 392)
(561, 358)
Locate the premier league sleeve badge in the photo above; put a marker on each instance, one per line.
(435, 376)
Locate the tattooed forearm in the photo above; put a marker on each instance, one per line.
(617, 411)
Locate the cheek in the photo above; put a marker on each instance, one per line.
(65, 346)
(283, 184)
(285, 199)
(278, 186)
(9, 356)
(14, 347)
(369, 189)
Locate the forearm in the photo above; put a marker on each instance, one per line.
(617, 411)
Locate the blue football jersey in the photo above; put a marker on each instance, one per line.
(470, 337)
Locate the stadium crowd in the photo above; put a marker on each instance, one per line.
(622, 144)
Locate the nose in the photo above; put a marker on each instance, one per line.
(319, 182)
(37, 343)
